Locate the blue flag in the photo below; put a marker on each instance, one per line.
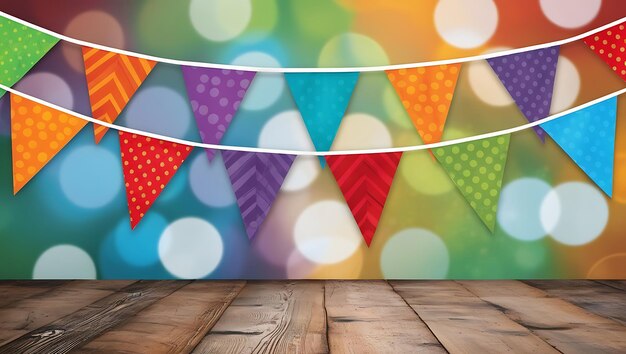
(322, 99)
(588, 137)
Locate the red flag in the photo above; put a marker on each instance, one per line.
(610, 45)
(365, 181)
(148, 166)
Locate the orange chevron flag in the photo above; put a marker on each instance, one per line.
(38, 133)
(112, 80)
(426, 94)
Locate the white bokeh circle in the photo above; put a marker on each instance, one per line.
(566, 85)
(424, 174)
(48, 87)
(570, 13)
(190, 248)
(64, 262)
(209, 181)
(326, 233)
(518, 208)
(266, 88)
(485, 83)
(574, 213)
(466, 24)
(362, 131)
(220, 20)
(415, 254)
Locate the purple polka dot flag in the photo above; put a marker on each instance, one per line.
(215, 95)
(256, 179)
(529, 78)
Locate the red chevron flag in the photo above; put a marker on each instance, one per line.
(365, 181)
(112, 80)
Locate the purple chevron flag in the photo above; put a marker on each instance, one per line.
(529, 78)
(215, 95)
(256, 180)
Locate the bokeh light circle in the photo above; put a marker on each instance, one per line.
(466, 24)
(209, 181)
(266, 88)
(485, 83)
(574, 213)
(608, 267)
(90, 176)
(286, 130)
(362, 131)
(570, 13)
(326, 233)
(190, 248)
(139, 247)
(220, 20)
(64, 262)
(518, 209)
(424, 174)
(48, 87)
(415, 254)
(566, 85)
(352, 49)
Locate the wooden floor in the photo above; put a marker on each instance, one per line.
(312, 316)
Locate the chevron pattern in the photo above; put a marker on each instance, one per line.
(112, 79)
(256, 179)
(365, 181)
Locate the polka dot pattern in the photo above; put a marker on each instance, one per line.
(477, 168)
(215, 96)
(148, 164)
(529, 78)
(426, 94)
(21, 48)
(610, 45)
(38, 133)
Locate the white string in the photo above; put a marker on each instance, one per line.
(313, 70)
(317, 153)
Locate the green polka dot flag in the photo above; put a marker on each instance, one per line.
(21, 47)
(477, 168)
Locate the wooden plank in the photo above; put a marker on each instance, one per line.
(14, 291)
(465, 324)
(79, 327)
(594, 297)
(268, 317)
(369, 317)
(42, 308)
(174, 324)
(617, 284)
(565, 326)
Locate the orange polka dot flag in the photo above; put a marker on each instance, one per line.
(38, 133)
(148, 164)
(426, 94)
(112, 80)
(610, 45)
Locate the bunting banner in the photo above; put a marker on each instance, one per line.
(426, 94)
(477, 168)
(112, 79)
(215, 95)
(529, 79)
(365, 181)
(610, 45)
(322, 99)
(588, 137)
(148, 164)
(38, 133)
(21, 47)
(256, 179)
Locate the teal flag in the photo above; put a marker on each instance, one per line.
(322, 99)
(588, 137)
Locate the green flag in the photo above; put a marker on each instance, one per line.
(477, 168)
(21, 47)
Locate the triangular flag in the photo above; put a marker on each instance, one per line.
(256, 180)
(365, 181)
(477, 168)
(112, 79)
(148, 165)
(426, 94)
(38, 133)
(322, 99)
(588, 137)
(21, 47)
(215, 95)
(610, 45)
(529, 78)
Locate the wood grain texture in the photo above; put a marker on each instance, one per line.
(42, 308)
(565, 326)
(617, 284)
(174, 324)
(271, 317)
(80, 327)
(596, 298)
(369, 317)
(464, 323)
(13, 291)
